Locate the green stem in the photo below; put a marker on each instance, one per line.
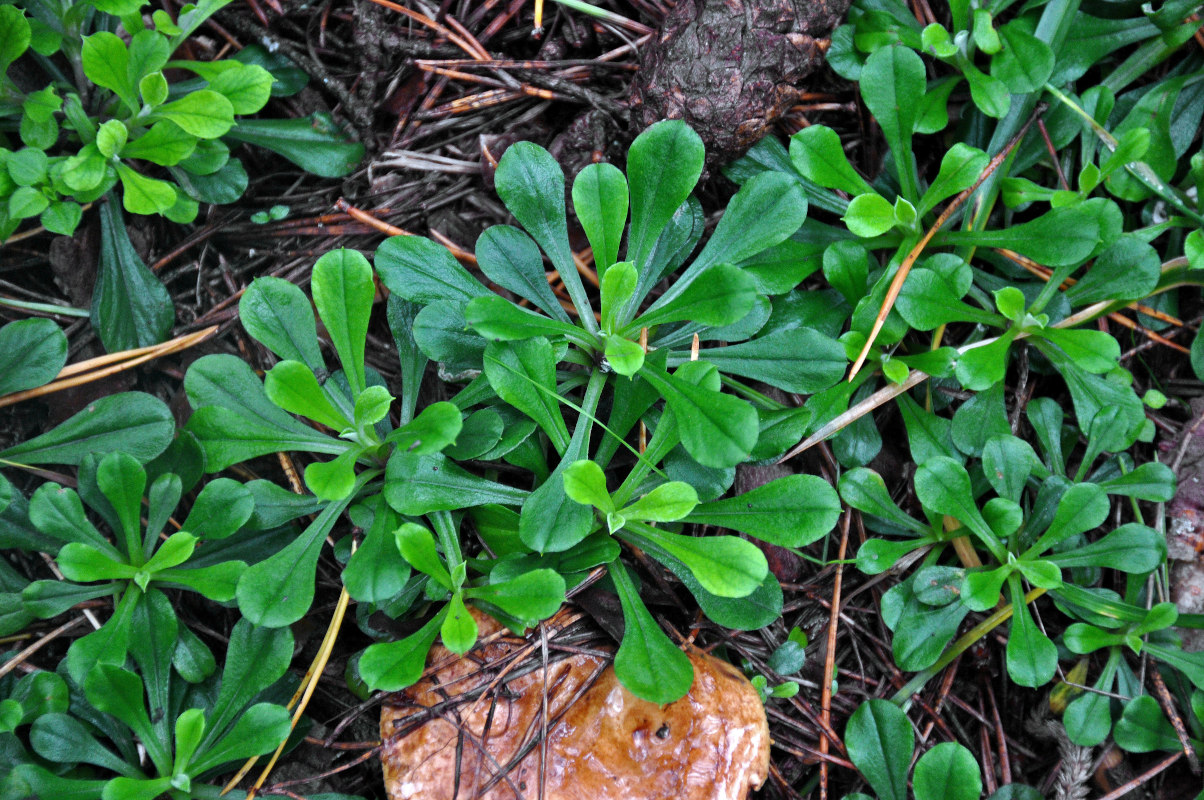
(45, 308)
(445, 529)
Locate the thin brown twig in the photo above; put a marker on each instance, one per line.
(142, 355)
(825, 691)
(1168, 707)
(20, 657)
(1128, 786)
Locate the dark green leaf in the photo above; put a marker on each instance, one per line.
(421, 484)
(798, 360)
(928, 301)
(279, 316)
(647, 662)
(531, 184)
(259, 730)
(663, 165)
(1143, 728)
(721, 296)
(1128, 270)
(948, 772)
(892, 85)
(130, 307)
(879, 740)
(1130, 548)
(1025, 62)
(235, 421)
(509, 258)
(32, 351)
(766, 210)
(1032, 658)
(130, 422)
(314, 143)
(255, 659)
(279, 590)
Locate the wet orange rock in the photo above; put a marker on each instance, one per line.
(475, 728)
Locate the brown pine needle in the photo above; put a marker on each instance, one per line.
(302, 696)
(19, 658)
(825, 691)
(1044, 273)
(478, 53)
(896, 284)
(101, 367)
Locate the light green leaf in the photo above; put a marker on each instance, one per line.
(585, 483)
(499, 320)
(165, 143)
(459, 629)
(293, 387)
(960, 167)
(534, 595)
(143, 195)
(792, 511)
(523, 373)
(718, 430)
(14, 35)
(111, 137)
(818, 155)
(205, 113)
(343, 289)
(726, 566)
(624, 356)
(105, 59)
(248, 88)
(668, 502)
(600, 200)
(417, 546)
(392, 666)
(869, 215)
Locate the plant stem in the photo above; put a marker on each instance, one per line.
(960, 646)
